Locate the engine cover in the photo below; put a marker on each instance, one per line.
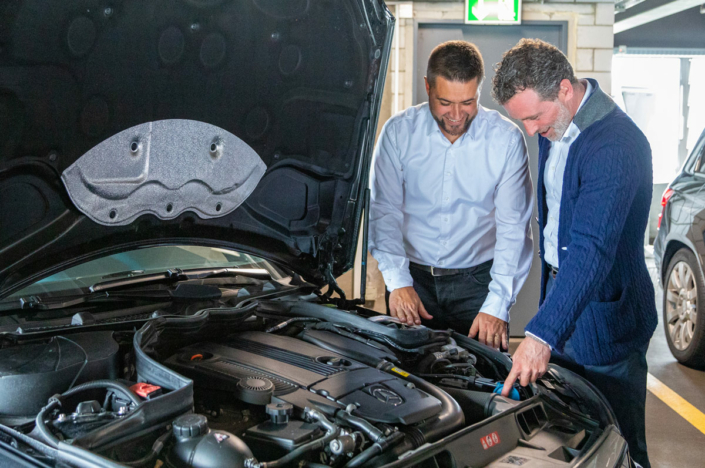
(304, 375)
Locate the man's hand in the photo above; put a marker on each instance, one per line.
(492, 331)
(530, 363)
(405, 304)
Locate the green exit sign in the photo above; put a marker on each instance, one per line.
(493, 11)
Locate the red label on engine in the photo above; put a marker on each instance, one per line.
(490, 440)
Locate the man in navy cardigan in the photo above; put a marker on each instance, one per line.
(597, 310)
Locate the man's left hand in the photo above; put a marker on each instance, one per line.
(492, 331)
(530, 361)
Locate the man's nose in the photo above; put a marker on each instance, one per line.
(455, 112)
(531, 128)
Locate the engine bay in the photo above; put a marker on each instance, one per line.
(275, 381)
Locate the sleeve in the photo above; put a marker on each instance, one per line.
(538, 339)
(386, 217)
(513, 251)
(609, 180)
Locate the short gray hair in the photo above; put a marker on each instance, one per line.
(531, 64)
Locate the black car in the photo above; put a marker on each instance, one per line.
(181, 181)
(679, 252)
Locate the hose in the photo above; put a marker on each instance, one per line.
(448, 420)
(365, 456)
(332, 432)
(286, 323)
(482, 383)
(420, 350)
(375, 449)
(364, 426)
(44, 431)
(68, 454)
(451, 417)
(426, 364)
(55, 402)
(35, 444)
(156, 449)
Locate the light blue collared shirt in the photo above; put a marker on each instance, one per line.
(553, 180)
(453, 205)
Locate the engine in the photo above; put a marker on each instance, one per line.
(298, 383)
(274, 379)
(257, 367)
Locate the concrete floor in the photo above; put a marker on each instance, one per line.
(672, 441)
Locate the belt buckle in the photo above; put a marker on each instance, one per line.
(433, 271)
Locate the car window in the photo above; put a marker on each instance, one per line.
(697, 156)
(143, 262)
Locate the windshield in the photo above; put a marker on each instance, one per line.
(143, 262)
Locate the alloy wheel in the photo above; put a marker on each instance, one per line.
(681, 305)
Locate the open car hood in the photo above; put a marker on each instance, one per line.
(242, 124)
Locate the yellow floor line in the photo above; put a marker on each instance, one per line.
(676, 402)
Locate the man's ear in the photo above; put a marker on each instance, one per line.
(565, 92)
(428, 86)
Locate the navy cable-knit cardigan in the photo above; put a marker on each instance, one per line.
(602, 298)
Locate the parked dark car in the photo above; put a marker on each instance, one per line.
(180, 180)
(679, 252)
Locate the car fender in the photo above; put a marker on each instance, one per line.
(687, 242)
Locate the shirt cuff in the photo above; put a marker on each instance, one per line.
(496, 306)
(529, 334)
(397, 278)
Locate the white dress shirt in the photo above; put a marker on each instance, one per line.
(453, 205)
(553, 181)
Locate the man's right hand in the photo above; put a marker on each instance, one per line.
(405, 304)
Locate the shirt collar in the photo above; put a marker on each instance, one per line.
(573, 131)
(431, 125)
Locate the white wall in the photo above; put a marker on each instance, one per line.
(590, 37)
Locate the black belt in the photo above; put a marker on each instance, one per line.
(435, 271)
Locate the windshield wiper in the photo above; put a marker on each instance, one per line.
(63, 302)
(122, 274)
(177, 274)
(110, 291)
(181, 293)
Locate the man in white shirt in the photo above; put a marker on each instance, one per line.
(451, 205)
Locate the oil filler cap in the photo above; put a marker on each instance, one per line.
(190, 425)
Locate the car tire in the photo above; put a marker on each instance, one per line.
(683, 299)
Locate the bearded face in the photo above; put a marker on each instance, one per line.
(453, 105)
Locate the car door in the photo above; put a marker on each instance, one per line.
(692, 188)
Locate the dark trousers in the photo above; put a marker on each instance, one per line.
(624, 385)
(453, 300)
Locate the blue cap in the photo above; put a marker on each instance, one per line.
(514, 394)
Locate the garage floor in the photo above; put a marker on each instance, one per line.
(673, 442)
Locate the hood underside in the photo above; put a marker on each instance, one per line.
(247, 124)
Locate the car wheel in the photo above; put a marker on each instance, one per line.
(683, 296)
